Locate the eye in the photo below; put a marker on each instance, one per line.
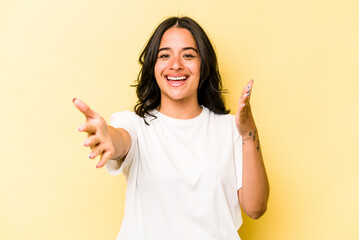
(188, 56)
(163, 55)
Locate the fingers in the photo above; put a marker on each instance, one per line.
(245, 98)
(250, 83)
(105, 155)
(87, 127)
(96, 151)
(246, 93)
(91, 141)
(98, 138)
(103, 160)
(84, 108)
(244, 102)
(241, 108)
(244, 117)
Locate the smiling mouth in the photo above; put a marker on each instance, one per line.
(176, 81)
(182, 78)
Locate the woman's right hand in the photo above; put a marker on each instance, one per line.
(98, 136)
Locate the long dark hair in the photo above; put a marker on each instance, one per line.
(210, 83)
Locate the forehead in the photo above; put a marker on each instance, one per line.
(176, 37)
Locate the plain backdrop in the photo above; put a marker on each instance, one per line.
(302, 54)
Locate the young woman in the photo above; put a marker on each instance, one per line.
(189, 164)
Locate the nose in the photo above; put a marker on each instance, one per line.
(176, 63)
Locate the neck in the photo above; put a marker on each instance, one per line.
(180, 109)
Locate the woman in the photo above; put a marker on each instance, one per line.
(189, 164)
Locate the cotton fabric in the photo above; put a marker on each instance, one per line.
(182, 177)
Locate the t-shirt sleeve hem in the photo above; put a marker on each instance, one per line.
(237, 148)
(122, 120)
(113, 167)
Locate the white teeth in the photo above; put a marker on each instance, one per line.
(176, 78)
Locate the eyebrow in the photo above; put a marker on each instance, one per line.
(186, 48)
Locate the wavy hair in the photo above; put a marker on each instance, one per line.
(210, 84)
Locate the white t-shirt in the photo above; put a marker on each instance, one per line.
(182, 177)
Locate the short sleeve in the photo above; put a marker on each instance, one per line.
(127, 121)
(237, 153)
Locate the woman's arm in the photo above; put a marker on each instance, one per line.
(104, 140)
(253, 196)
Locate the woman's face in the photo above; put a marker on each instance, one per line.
(178, 66)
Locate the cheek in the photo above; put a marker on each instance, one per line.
(196, 68)
(158, 69)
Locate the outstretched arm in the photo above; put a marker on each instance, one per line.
(104, 140)
(253, 196)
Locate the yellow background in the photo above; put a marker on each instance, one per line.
(303, 55)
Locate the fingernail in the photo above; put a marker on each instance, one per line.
(83, 144)
(74, 99)
(89, 156)
(247, 94)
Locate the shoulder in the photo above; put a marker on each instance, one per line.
(129, 117)
(224, 123)
(128, 114)
(118, 119)
(219, 117)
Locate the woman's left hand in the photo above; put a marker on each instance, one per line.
(244, 118)
(253, 196)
